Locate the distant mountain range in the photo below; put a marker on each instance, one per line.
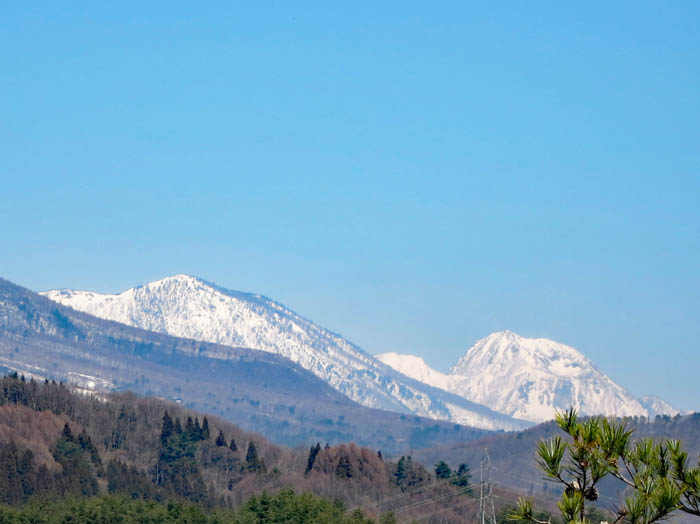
(530, 379)
(255, 389)
(188, 307)
(504, 381)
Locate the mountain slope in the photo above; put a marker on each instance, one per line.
(258, 390)
(415, 367)
(512, 455)
(525, 378)
(185, 306)
(657, 406)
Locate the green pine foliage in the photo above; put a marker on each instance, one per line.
(462, 477)
(18, 480)
(313, 453)
(442, 470)
(253, 462)
(177, 471)
(409, 474)
(656, 472)
(283, 507)
(288, 507)
(78, 463)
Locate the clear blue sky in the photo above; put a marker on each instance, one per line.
(411, 176)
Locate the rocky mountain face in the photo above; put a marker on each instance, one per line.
(529, 379)
(184, 306)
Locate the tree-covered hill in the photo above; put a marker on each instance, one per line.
(56, 442)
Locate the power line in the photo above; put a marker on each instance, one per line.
(462, 503)
(407, 493)
(453, 506)
(431, 499)
(404, 494)
(612, 500)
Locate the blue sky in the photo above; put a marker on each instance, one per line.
(411, 176)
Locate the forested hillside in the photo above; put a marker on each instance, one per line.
(55, 442)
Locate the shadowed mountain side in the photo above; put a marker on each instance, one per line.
(258, 390)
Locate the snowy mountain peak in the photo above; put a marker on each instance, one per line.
(189, 307)
(415, 367)
(531, 378)
(528, 378)
(177, 280)
(506, 346)
(658, 406)
(174, 284)
(411, 360)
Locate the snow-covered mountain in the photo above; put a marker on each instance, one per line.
(525, 378)
(657, 406)
(188, 307)
(415, 367)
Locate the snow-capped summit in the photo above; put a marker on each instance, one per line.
(530, 378)
(525, 378)
(657, 406)
(185, 306)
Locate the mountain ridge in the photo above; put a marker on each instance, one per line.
(529, 378)
(194, 308)
(261, 391)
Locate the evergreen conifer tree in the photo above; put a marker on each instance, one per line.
(344, 468)
(253, 462)
(312, 457)
(400, 473)
(442, 470)
(167, 430)
(67, 433)
(462, 477)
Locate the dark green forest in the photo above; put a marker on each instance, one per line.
(282, 507)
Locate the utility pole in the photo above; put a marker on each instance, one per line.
(487, 512)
